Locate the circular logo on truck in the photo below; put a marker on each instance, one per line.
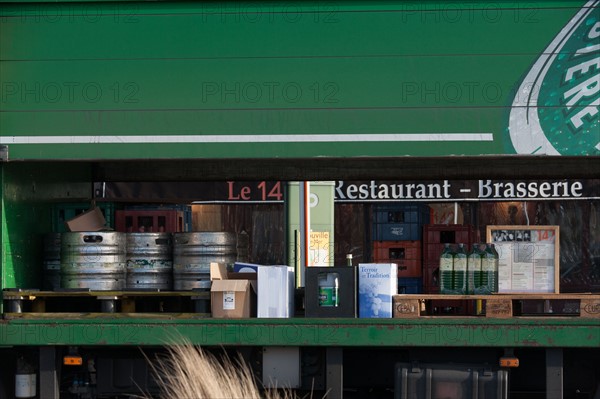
(556, 108)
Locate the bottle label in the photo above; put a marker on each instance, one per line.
(488, 265)
(460, 264)
(446, 264)
(328, 296)
(475, 262)
(25, 385)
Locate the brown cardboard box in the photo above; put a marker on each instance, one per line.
(218, 271)
(232, 295)
(231, 299)
(90, 220)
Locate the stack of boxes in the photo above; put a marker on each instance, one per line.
(397, 238)
(252, 291)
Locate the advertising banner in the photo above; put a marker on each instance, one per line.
(218, 80)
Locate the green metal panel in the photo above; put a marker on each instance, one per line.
(28, 190)
(451, 332)
(100, 80)
(2, 229)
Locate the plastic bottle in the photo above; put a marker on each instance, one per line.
(25, 379)
(460, 270)
(487, 265)
(474, 262)
(493, 272)
(328, 289)
(336, 290)
(446, 270)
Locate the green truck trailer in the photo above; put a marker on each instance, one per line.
(374, 96)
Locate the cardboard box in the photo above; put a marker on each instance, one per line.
(90, 220)
(232, 295)
(275, 291)
(231, 299)
(218, 271)
(377, 284)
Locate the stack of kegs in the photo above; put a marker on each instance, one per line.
(113, 261)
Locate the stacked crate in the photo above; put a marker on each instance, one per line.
(397, 238)
(434, 238)
(154, 219)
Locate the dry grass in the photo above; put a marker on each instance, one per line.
(189, 372)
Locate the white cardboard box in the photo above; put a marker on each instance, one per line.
(275, 286)
(377, 283)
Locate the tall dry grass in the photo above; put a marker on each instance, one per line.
(189, 372)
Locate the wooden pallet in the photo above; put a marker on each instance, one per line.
(499, 306)
(19, 301)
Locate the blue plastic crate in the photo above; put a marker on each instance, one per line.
(402, 213)
(400, 222)
(397, 232)
(410, 285)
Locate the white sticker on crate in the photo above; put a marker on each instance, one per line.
(397, 231)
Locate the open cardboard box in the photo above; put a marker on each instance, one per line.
(90, 220)
(232, 295)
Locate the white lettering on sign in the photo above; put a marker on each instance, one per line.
(443, 190)
(557, 189)
(385, 191)
(588, 89)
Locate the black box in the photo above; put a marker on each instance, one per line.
(346, 306)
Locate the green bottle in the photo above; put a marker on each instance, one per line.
(460, 270)
(489, 270)
(495, 275)
(474, 270)
(446, 268)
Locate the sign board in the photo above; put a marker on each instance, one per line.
(529, 258)
(428, 191)
(319, 249)
(475, 79)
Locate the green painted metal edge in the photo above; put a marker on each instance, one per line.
(2, 239)
(452, 332)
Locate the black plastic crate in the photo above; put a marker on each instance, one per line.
(432, 381)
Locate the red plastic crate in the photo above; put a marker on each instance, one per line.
(431, 278)
(449, 233)
(432, 252)
(436, 235)
(406, 254)
(148, 221)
